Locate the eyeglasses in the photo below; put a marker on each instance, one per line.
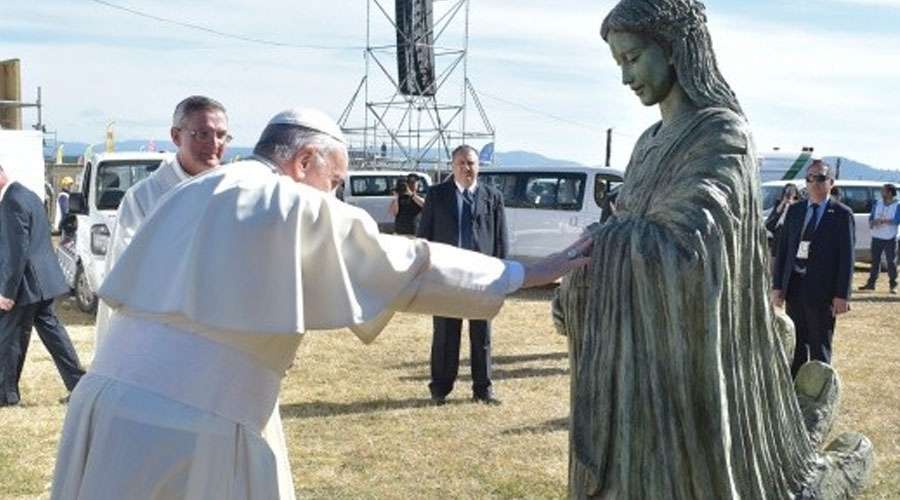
(208, 135)
(816, 178)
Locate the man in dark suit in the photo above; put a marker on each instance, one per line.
(814, 266)
(463, 213)
(30, 278)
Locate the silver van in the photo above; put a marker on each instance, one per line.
(548, 208)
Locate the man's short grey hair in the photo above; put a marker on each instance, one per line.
(464, 148)
(280, 142)
(193, 104)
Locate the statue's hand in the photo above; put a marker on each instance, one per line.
(552, 267)
(778, 298)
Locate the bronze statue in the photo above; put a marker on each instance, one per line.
(681, 387)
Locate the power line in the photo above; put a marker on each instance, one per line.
(244, 38)
(274, 43)
(544, 113)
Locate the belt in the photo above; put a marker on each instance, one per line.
(188, 368)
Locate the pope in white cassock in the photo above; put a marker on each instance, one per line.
(200, 131)
(211, 300)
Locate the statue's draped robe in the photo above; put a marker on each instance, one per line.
(681, 387)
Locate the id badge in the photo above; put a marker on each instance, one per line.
(803, 250)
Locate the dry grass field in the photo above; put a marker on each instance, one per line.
(359, 423)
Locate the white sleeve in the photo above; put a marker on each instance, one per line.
(515, 275)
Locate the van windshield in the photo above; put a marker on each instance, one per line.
(115, 177)
(770, 196)
(380, 185)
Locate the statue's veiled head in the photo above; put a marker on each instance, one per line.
(673, 47)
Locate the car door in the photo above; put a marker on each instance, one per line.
(555, 201)
(860, 201)
(509, 185)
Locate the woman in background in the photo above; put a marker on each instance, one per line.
(789, 195)
(406, 205)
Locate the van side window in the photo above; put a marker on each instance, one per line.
(554, 191)
(370, 186)
(551, 191)
(874, 196)
(770, 196)
(540, 192)
(858, 198)
(506, 184)
(603, 185)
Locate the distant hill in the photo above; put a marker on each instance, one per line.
(850, 169)
(854, 170)
(509, 158)
(529, 159)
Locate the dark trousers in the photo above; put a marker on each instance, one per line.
(15, 334)
(813, 322)
(445, 356)
(889, 249)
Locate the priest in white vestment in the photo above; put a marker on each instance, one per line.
(212, 298)
(200, 131)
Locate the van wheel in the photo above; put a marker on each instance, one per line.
(85, 298)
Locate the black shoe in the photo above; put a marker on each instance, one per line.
(64, 400)
(487, 400)
(7, 402)
(438, 400)
(894, 290)
(867, 286)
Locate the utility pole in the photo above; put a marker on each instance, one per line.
(608, 145)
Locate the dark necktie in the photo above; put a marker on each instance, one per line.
(811, 225)
(807, 235)
(466, 235)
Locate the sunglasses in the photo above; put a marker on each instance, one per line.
(816, 178)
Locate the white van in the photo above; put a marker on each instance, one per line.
(548, 208)
(373, 190)
(860, 196)
(92, 217)
(783, 165)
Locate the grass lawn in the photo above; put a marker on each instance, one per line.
(359, 423)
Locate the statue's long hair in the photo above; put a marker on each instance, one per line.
(679, 27)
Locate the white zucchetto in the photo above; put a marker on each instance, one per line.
(312, 119)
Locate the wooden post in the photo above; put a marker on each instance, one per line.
(10, 90)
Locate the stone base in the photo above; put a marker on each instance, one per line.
(843, 470)
(818, 392)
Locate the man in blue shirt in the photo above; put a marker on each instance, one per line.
(884, 221)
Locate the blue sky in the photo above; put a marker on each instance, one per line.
(822, 73)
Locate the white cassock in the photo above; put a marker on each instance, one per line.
(211, 300)
(137, 203)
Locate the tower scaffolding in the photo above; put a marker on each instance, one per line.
(414, 128)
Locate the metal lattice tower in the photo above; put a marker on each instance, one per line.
(416, 132)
